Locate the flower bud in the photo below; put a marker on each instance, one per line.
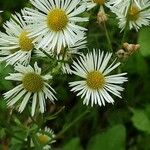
(120, 53)
(101, 17)
(131, 48)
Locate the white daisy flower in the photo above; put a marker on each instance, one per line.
(33, 86)
(15, 45)
(97, 84)
(134, 13)
(54, 22)
(45, 138)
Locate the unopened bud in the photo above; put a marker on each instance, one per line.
(125, 45)
(137, 47)
(101, 17)
(131, 48)
(120, 53)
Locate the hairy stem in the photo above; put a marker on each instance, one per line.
(108, 37)
(72, 123)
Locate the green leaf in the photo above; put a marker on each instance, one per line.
(2, 133)
(144, 41)
(112, 139)
(140, 120)
(73, 144)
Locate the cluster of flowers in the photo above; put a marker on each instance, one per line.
(52, 28)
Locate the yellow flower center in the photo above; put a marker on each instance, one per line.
(57, 19)
(33, 82)
(99, 2)
(95, 80)
(133, 13)
(43, 139)
(25, 42)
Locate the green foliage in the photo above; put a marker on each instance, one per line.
(112, 139)
(4, 71)
(141, 120)
(144, 41)
(74, 144)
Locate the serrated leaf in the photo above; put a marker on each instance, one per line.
(112, 139)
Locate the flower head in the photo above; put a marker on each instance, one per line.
(97, 84)
(134, 13)
(15, 45)
(54, 22)
(45, 138)
(33, 86)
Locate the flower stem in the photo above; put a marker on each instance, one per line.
(124, 34)
(108, 37)
(49, 56)
(72, 123)
(126, 26)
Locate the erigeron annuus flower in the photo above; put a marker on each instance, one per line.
(15, 45)
(33, 87)
(97, 83)
(45, 138)
(134, 13)
(54, 22)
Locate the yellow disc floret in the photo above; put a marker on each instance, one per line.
(99, 2)
(43, 139)
(95, 80)
(57, 19)
(33, 82)
(133, 13)
(25, 42)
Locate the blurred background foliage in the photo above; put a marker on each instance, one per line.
(122, 126)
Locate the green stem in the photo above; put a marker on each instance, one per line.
(72, 123)
(124, 34)
(33, 120)
(126, 26)
(29, 142)
(54, 115)
(108, 37)
(49, 56)
(64, 54)
(36, 143)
